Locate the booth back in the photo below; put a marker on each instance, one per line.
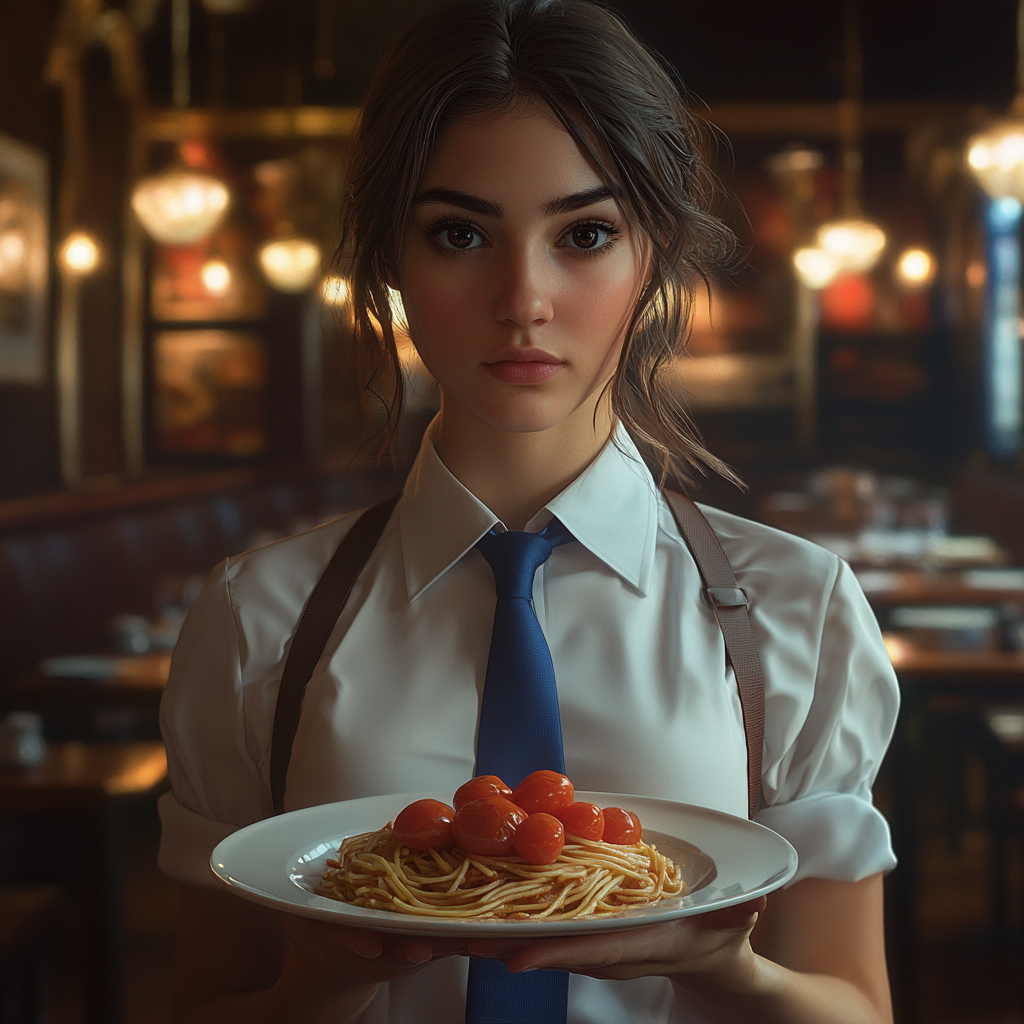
(61, 585)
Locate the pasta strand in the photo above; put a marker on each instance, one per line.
(588, 879)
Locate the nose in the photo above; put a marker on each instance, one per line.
(523, 295)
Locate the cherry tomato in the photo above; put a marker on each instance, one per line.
(621, 827)
(539, 840)
(583, 820)
(543, 792)
(482, 785)
(425, 825)
(487, 826)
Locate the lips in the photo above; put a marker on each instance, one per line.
(523, 366)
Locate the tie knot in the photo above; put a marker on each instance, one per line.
(515, 556)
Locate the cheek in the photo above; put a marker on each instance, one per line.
(440, 318)
(598, 304)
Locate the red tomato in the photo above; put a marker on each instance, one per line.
(425, 825)
(543, 792)
(487, 826)
(621, 827)
(583, 820)
(539, 840)
(481, 786)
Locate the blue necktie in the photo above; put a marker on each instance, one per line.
(519, 733)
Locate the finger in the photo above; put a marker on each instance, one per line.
(496, 949)
(743, 915)
(363, 943)
(593, 951)
(418, 951)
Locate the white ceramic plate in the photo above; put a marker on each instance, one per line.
(279, 862)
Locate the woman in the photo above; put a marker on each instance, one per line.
(526, 176)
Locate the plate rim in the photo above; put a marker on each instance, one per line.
(332, 911)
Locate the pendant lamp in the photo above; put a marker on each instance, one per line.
(996, 155)
(290, 262)
(850, 244)
(181, 205)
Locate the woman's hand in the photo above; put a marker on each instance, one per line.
(818, 955)
(339, 957)
(709, 949)
(239, 963)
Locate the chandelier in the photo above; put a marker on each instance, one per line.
(180, 206)
(850, 244)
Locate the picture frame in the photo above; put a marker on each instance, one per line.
(24, 262)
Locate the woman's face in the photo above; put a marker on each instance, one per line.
(519, 272)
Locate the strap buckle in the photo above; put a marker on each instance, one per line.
(727, 597)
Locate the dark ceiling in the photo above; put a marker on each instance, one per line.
(725, 50)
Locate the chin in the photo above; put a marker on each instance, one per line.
(522, 417)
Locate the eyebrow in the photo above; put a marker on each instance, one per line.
(484, 207)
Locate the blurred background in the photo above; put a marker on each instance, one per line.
(176, 386)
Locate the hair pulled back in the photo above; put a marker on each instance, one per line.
(621, 106)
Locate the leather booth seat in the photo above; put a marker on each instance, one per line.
(68, 569)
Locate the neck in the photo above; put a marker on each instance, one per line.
(516, 473)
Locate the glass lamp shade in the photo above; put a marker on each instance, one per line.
(815, 267)
(181, 206)
(290, 264)
(996, 158)
(853, 244)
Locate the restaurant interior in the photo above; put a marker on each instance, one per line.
(177, 385)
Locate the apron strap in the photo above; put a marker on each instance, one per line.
(314, 630)
(730, 605)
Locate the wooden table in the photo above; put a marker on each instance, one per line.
(983, 676)
(83, 784)
(74, 707)
(891, 588)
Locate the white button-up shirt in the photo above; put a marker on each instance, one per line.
(647, 699)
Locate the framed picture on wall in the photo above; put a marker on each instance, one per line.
(24, 262)
(210, 390)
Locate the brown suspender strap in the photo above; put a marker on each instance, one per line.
(332, 591)
(314, 629)
(730, 604)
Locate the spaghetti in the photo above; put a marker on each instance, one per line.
(588, 879)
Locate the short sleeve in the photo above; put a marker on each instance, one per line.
(818, 775)
(216, 786)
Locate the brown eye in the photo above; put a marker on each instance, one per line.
(460, 237)
(585, 236)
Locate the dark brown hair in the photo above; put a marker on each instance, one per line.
(620, 104)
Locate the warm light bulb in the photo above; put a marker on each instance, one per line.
(79, 254)
(334, 290)
(915, 268)
(854, 244)
(290, 264)
(180, 207)
(815, 267)
(13, 252)
(996, 157)
(216, 277)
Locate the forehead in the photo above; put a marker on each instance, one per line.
(522, 155)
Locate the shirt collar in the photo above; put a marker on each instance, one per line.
(611, 508)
